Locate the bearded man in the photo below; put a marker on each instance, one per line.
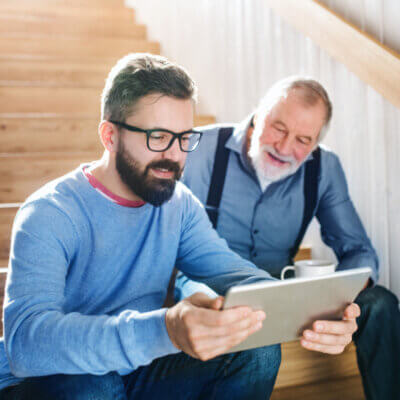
(92, 254)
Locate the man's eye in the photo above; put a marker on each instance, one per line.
(185, 138)
(158, 136)
(303, 141)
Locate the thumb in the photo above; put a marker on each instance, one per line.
(217, 303)
(202, 300)
(352, 311)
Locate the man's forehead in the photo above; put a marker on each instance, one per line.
(156, 110)
(292, 112)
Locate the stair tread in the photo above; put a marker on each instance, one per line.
(24, 46)
(346, 388)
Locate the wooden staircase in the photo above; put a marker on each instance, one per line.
(54, 58)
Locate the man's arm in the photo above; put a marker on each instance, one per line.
(205, 257)
(197, 325)
(40, 337)
(185, 287)
(342, 230)
(341, 227)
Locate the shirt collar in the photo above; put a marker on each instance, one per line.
(237, 140)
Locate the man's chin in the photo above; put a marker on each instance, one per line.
(276, 175)
(161, 191)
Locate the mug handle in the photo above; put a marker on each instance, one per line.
(288, 268)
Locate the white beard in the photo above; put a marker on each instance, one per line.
(267, 173)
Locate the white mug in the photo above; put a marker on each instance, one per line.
(309, 268)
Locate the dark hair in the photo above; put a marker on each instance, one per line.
(137, 75)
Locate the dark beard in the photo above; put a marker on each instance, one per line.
(155, 191)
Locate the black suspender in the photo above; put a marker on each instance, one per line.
(310, 190)
(218, 175)
(216, 187)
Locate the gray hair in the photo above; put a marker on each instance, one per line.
(137, 75)
(310, 92)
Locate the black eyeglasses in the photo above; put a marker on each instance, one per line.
(160, 140)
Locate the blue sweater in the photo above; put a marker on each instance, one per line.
(88, 279)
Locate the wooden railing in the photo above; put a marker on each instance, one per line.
(374, 63)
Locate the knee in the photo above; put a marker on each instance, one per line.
(265, 360)
(378, 300)
(379, 307)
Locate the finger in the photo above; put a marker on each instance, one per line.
(228, 330)
(321, 347)
(335, 327)
(323, 338)
(214, 318)
(216, 346)
(352, 311)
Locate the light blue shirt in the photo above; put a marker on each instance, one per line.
(263, 226)
(88, 278)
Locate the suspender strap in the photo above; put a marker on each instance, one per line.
(311, 175)
(218, 175)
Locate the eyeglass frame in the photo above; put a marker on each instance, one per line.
(148, 132)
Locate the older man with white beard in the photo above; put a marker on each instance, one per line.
(262, 182)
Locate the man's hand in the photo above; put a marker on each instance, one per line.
(332, 337)
(198, 326)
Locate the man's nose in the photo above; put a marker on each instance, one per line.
(174, 152)
(285, 146)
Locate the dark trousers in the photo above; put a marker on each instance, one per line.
(244, 375)
(378, 343)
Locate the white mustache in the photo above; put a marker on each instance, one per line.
(288, 159)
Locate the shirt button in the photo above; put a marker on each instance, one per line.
(255, 231)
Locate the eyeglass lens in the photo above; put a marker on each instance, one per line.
(160, 141)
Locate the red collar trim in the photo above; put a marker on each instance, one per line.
(110, 195)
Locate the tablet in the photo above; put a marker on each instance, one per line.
(292, 305)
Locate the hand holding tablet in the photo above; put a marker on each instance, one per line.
(293, 306)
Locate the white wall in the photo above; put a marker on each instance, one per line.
(235, 49)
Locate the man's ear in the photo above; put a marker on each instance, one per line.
(255, 117)
(108, 133)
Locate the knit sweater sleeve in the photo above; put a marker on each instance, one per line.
(40, 337)
(205, 257)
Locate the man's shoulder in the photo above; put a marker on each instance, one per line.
(210, 136)
(184, 201)
(330, 161)
(183, 194)
(204, 154)
(58, 197)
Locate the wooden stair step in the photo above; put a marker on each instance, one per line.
(300, 366)
(84, 26)
(17, 7)
(54, 72)
(67, 102)
(47, 135)
(22, 175)
(333, 389)
(304, 253)
(7, 215)
(50, 100)
(50, 4)
(71, 48)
